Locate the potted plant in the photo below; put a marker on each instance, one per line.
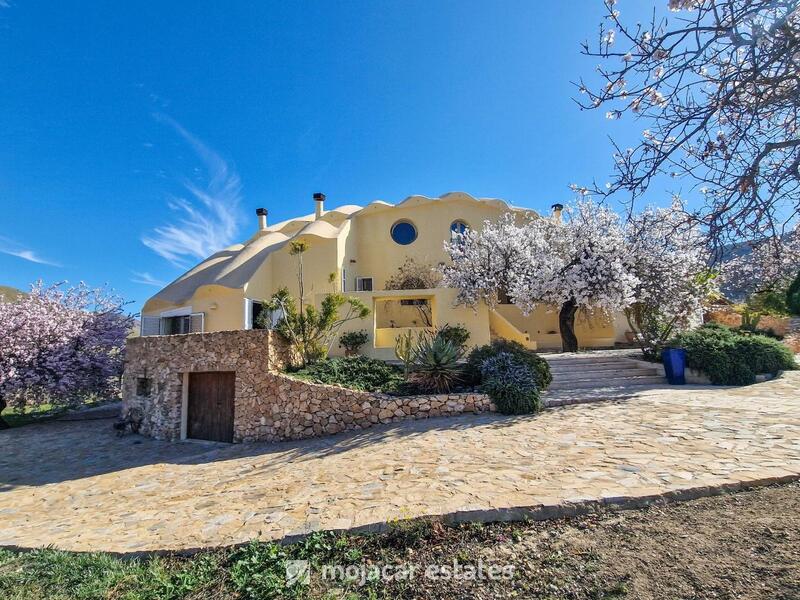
(352, 341)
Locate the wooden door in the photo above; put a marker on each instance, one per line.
(210, 407)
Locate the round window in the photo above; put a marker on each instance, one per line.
(404, 232)
(458, 228)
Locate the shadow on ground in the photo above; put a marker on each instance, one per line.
(58, 451)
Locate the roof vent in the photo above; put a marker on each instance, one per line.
(557, 208)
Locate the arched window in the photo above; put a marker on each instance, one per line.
(404, 232)
(457, 229)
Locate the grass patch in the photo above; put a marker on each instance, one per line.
(608, 555)
(42, 412)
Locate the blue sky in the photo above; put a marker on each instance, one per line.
(137, 137)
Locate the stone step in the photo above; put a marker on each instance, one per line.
(582, 374)
(592, 366)
(617, 382)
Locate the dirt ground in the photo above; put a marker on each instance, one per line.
(744, 545)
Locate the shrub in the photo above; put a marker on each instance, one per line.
(455, 334)
(356, 372)
(353, 340)
(510, 384)
(729, 357)
(437, 367)
(537, 364)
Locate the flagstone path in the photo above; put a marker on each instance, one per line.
(78, 486)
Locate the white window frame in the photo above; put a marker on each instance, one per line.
(184, 311)
(360, 286)
(344, 281)
(248, 313)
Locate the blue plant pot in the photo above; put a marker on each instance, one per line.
(674, 360)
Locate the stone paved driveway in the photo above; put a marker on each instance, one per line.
(77, 486)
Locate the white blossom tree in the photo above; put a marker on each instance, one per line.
(591, 261)
(669, 259)
(762, 267)
(574, 264)
(716, 90)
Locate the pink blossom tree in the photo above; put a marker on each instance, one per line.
(59, 345)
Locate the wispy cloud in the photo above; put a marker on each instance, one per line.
(12, 248)
(208, 217)
(4, 3)
(146, 279)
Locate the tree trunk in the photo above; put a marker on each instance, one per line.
(3, 424)
(566, 323)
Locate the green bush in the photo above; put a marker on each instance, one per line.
(793, 296)
(731, 357)
(510, 384)
(436, 366)
(537, 364)
(356, 372)
(458, 335)
(353, 340)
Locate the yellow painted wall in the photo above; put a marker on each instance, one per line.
(443, 309)
(591, 332)
(379, 256)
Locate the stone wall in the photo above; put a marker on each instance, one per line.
(269, 406)
(726, 316)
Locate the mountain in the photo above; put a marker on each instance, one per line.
(9, 293)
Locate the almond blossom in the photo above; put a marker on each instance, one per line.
(59, 345)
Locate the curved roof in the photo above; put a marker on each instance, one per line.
(234, 266)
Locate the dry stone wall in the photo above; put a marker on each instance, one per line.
(268, 405)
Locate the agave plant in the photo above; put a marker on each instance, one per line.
(437, 365)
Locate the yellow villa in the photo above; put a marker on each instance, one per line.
(356, 249)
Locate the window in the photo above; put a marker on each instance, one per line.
(173, 323)
(414, 302)
(404, 232)
(344, 280)
(176, 325)
(458, 228)
(363, 284)
(183, 324)
(143, 386)
(252, 310)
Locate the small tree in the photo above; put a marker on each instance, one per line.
(59, 345)
(412, 275)
(311, 331)
(669, 261)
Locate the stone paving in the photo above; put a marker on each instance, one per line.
(78, 486)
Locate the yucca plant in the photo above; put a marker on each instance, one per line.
(437, 367)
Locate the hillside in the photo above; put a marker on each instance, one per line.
(10, 293)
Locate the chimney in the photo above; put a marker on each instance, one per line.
(262, 218)
(319, 198)
(557, 208)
